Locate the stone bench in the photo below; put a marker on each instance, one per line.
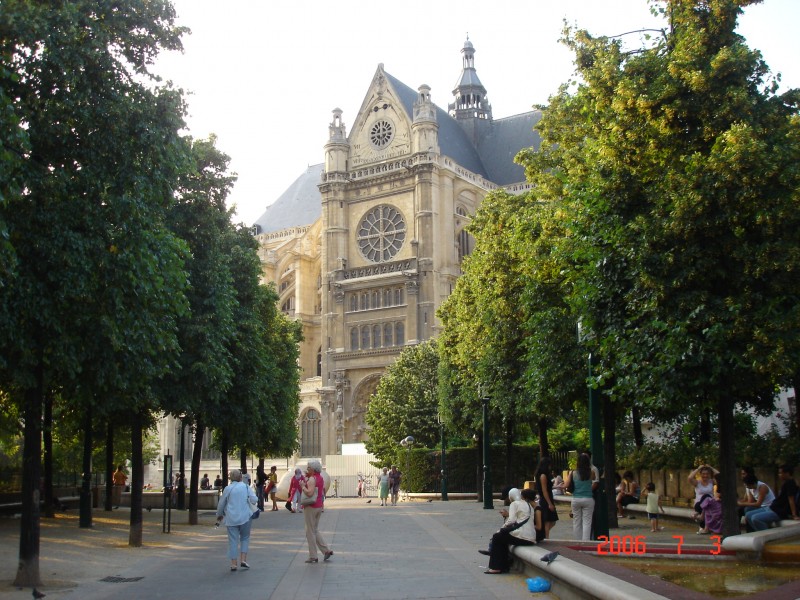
(206, 499)
(677, 512)
(583, 581)
(755, 541)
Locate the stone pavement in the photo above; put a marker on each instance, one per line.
(416, 550)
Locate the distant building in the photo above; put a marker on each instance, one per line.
(364, 247)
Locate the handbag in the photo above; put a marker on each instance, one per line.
(514, 526)
(309, 500)
(255, 512)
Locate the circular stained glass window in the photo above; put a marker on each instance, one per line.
(381, 233)
(381, 134)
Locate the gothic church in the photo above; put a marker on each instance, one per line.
(365, 247)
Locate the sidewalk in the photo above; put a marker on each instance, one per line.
(417, 550)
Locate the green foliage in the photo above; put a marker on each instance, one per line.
(682, 450)
(507, 330)
(404, 404)
(564, 435)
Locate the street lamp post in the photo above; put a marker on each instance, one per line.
(444, 459)
(487, 469)
(600, 517)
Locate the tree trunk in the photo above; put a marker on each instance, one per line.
(195, 478)
(108, 504)
(137, 481)
(638, 438)
(47, 431)
(727, 467)
(85, 518)
(705, 426)
(243, 461)
(223, 447)
(28, 568)
(544, 445)
(610, 458)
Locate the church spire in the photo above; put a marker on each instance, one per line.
(471, 101)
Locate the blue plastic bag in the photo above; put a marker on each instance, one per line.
(538, 584)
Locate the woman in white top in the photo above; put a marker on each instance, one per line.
(702, 487)
(523, 527)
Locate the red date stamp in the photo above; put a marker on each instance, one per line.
(628, 544)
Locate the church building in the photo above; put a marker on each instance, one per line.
(364, 247)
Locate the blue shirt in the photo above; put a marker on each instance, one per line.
(233, 504)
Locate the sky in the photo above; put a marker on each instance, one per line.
(265, 76)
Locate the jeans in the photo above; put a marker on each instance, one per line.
(238, 534)
(761, 518)
(582, 509)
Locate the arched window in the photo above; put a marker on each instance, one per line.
(376, 336)
(354, 338)
(464, 240)
(387, 334)
(365, 337)
(376, 299)
(364, 301)
(399, 334)
(310, 434)
(353, 303)
(387, 297)
(319, 362)
(398, 296)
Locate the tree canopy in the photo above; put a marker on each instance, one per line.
(676, 168)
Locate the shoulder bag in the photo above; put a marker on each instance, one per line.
(514, 526)
(309, 500)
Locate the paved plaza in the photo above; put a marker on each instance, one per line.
(416, 550)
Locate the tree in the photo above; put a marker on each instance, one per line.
(405, 403)
(83, 209)
(507, 328)
(676, 168)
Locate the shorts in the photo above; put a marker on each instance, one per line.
(652, 516)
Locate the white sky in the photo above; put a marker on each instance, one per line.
(264, 76)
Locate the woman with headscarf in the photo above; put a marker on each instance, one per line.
(234, 506)
(312, 512)
(523, 527)
(295, 489)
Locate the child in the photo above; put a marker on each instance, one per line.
(653, 506)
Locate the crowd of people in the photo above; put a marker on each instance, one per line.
(528, 514)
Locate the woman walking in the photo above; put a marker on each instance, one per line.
(582, 499)
(234, 506)
(383, 486)
(313, 512)
(295, 490)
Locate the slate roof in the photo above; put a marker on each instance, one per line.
(501, 143)
(453, 141)
(300, 204)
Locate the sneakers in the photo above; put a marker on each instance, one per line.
(702, 531)
(244, 565)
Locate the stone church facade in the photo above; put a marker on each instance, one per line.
(364, 247)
